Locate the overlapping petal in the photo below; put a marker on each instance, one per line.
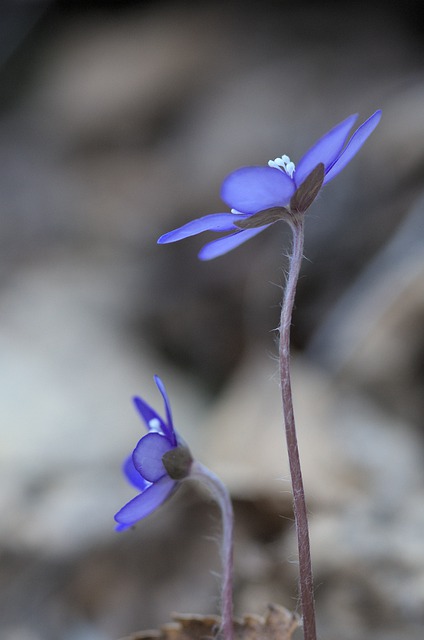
(143, 504)
(223, 245)
(353, 146)
(133, 476)
(151, 418)
(147, 456)
(211, 222)
(171, 432)
(325, 150)
(252, 189)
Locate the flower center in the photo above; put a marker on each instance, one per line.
(177, 462)
(283, 164)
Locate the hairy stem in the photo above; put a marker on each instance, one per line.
(300, 513)
(221, 496)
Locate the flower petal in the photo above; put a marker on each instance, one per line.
(223, 245)
(354, 144)
(152, 419)
(326, 150)
(143, 504)
(133, 476)
(147, 456)
(252, 189)
(211, 222)
(171, 432)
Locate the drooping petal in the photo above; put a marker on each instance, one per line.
(133, 476)
(211, 222)
(223, 245)
(171, 432)
(252, 189)
(353, 146)
(152, 419)
(326, 150)
(143, 504)
(147, 456)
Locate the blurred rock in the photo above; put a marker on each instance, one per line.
(375, 334)
(70, 367)
(364, 484)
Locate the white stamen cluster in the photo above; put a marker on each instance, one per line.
(283, 164)
(154, 424)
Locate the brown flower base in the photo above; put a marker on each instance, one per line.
(277, 624)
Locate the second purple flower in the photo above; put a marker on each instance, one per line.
(160, 460)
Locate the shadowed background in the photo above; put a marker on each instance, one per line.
(118, 122)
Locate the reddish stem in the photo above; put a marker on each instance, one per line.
(221, 496)
(306, 586)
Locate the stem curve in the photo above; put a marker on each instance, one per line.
(221, 496)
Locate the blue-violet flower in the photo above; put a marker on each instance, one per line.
(259, 196)
(156, 466)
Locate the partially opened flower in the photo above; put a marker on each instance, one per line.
(259, 196)
(157, 464)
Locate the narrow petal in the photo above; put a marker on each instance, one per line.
(252, 189)
(171, 432)
(133, 476)
(211, 222)
(354, 144)
(147, 456)
(326, 150)
(152, 419)
(122, 527)
(224, 245)
(143, 504)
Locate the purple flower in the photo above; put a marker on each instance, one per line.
(157, 464)
(259, 196)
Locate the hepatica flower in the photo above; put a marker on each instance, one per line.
(157, 465)
(261, 195)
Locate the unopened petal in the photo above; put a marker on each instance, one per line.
(152, 419)
(223, 245)
(143, 504)
(171, 432)
(252, 189)
(147, 456)
(211, 222)
(326, 150)
(354, 144)
(133, 476)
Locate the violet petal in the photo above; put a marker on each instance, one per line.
(211, 222)
(326, 150)
(171, 432)
(223, 245)
(252, 189)
(152, 419)
(354, 144)
(133, 476)
(147, 456)
(143, 504)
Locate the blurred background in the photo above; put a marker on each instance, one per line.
(118, 122)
